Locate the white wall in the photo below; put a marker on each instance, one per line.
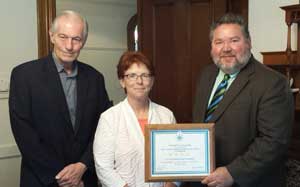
(18, 44)
(267, 26)
(107, 38)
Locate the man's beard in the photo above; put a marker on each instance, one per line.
(236, 67)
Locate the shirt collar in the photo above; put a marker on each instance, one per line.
(60, 67)
(221, 74)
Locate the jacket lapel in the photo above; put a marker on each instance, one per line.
(236, 87)
(57, 95)
(206, 94)
(82, 90)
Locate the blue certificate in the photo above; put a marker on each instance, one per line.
(179, 153)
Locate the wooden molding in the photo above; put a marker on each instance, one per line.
(46, 11)
(278, 57)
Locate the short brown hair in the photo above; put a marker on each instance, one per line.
(230, 18)
(132, 57)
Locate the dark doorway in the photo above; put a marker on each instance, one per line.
(174, 35)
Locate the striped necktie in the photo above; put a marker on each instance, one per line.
(218, 96)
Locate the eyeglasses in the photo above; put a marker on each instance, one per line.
(134, 77)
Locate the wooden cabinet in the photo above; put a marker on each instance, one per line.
(288, 63)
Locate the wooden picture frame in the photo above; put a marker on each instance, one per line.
(172, 152)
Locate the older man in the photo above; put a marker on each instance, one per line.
(252, 107)
(55, 103)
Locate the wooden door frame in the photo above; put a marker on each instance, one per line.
(46, 11)
(236, 6)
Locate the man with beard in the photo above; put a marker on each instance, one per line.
(252, 108)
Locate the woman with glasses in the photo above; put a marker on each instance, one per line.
(119, 139)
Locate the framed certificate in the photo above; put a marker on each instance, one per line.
(179, 152)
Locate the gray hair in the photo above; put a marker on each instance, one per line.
(230, 18)
(70, 13)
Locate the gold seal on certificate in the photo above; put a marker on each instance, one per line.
(179, 152)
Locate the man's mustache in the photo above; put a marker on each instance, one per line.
(227, 55)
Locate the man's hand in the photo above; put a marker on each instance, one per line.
(219, 178)
(71, 175)
(169, 184)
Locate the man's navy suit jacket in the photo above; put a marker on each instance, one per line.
(41, 122)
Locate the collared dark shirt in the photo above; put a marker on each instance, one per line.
(69, 84)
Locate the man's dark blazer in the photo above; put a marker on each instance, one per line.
(41, 123)
(253, 124)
